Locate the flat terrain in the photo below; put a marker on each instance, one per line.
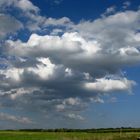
(17, 135)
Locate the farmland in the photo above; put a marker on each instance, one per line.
(31, 135)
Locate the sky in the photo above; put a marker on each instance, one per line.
(69, 64)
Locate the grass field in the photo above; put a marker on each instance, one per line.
(15, 135)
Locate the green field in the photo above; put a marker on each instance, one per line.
(16, 135)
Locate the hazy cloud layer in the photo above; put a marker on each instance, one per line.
(8, 117)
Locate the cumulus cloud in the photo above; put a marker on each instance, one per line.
(61, 72)
(31, 13)
(109, 85)
(76, 52)
(125, 23)
(24, 5)
(10, 22)
(67, 68)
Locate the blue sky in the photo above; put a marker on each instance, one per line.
(77, 10)
(69, 64)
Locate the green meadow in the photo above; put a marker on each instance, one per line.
(17, 135)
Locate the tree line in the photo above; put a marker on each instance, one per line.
(93, 130)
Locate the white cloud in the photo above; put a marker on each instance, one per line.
(75, 116)
(112, 31)
(69, 46)
(68, 72)
(12, 74)
(75, 52)
(15, 93)
(60, 107)
(72, 101)
(8, 117)
(57, 22)
(56, 72)
(88, 56)
(24, 5)
(27, 10)
(97, 100)
(110, 10)
(109, 85)
(56, 31)
(45, 70)
(129, 51)
(34, 21)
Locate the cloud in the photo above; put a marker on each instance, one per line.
(126, 4)
(120, 21)
(15, 93)
(24, 5)
(110, 10)
(62, 71)
(57, 22)
(59, 72)
(75, 117)
(33, 21)
(68, 44)
(56, 2)
(10, 21)
(73, 51)
(109, 85)
(8, 25)
(27, 10)
(8, 117)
